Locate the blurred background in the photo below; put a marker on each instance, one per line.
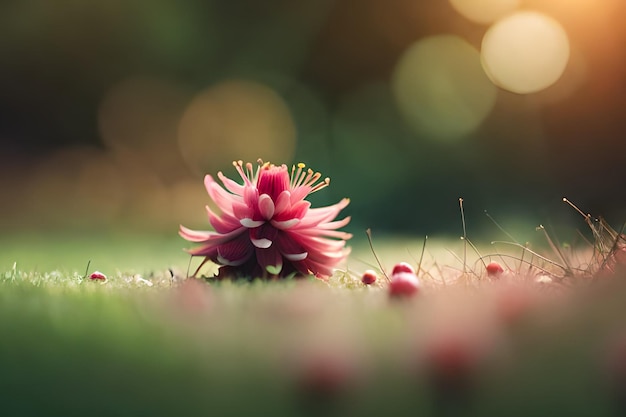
(112, 111)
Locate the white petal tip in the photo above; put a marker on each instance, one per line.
(223, 261)
(249, 223)
(261, 243)
(296, 256)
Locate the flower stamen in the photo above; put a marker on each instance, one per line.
(321, 185)
(300, 177)
(250, 171)
(239, 167)
(294, 178)
(306, 180)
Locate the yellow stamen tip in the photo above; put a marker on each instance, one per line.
(301, 165)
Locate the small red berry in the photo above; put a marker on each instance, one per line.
(404, 284)
(98, 276)
(494, 269)
(402, 267)
(369, 277)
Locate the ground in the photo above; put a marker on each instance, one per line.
(149, 341)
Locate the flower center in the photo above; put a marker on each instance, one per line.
(273, 180)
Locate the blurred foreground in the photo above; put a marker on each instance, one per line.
(305, 348)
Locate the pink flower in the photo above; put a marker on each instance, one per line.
(266, 227)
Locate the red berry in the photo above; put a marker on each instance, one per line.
(404, 284)
(402, 267)
(369, 277)
(494, 269)
(98, 276)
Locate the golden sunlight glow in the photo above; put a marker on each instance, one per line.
(525, 52)
(233, 120)
(484, 11)
(441, 89)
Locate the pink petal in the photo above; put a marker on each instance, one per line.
(322, 254)
(230, 185)
(328, 258)
(317, 232)
(335, 225)
(298, 193)
(235, 252)
(273, 180)
(209, 250)
(300, 209)
(297, 211)
(208, 237)
(251, 197)
(266, 206)
(242, 211)
(289, 247)
(286, 224)
(195, 235)
(318, 266)
(282, 202)
(322, 214)
(318, 244)
(222, 198)
(311, 267)
(224, 223)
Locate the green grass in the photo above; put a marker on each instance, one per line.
(107, 252)
(70, 346)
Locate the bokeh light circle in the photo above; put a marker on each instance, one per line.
(236, 119)
(525, 52)
(441, 89)
(484, 11)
